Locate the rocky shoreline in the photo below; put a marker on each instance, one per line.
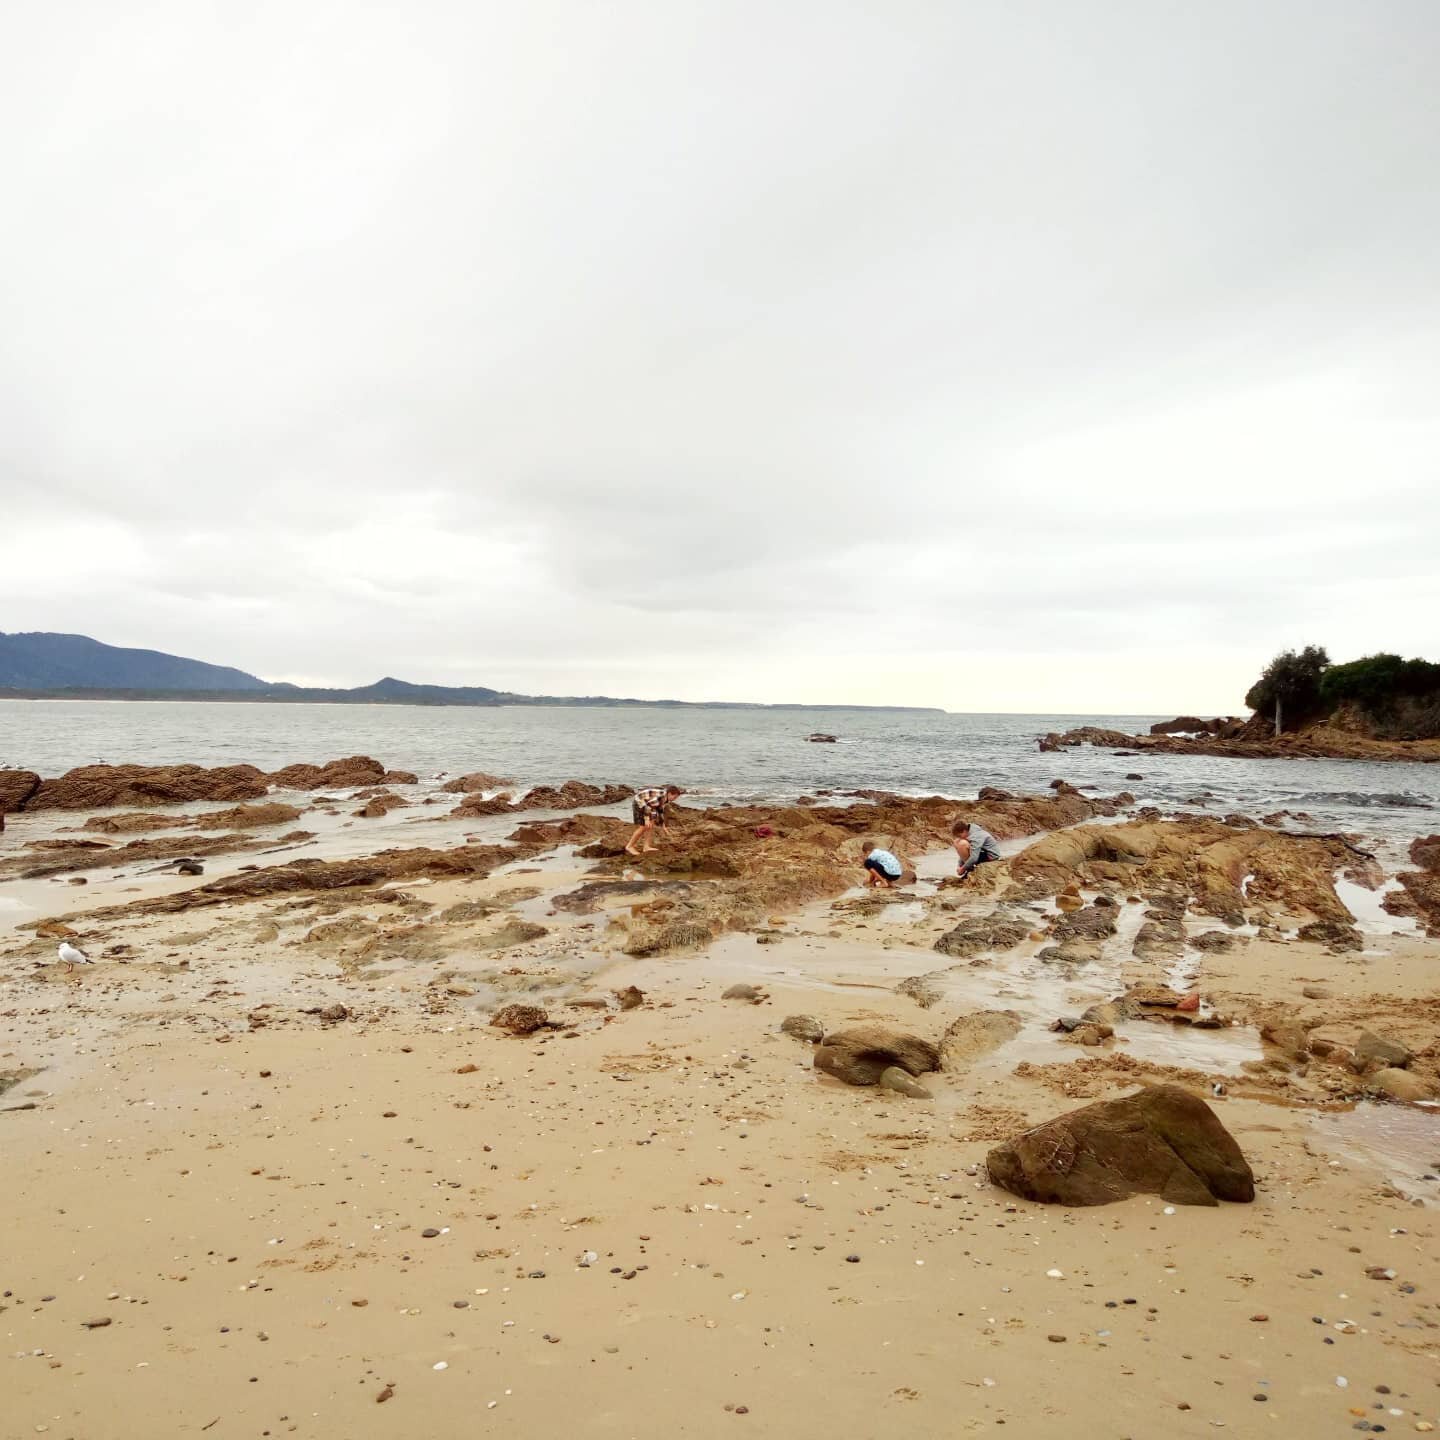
(1245, 740)
(489, 1111)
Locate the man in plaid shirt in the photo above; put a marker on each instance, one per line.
(649, 810)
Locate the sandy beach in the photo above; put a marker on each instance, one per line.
(271, 1170)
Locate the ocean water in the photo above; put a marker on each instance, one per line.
(719, 754)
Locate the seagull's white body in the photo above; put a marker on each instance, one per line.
(71, 956)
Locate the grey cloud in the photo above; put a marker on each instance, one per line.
(506, 344)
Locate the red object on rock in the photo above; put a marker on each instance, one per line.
(764, 832)
(1190, 1002)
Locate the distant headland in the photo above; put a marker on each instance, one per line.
(41, 665)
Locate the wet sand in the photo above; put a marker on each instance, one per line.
(242, 1190)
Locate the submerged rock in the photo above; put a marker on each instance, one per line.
(859, 1056)
(1160, 1141)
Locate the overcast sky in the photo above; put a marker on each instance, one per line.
(1068, 356)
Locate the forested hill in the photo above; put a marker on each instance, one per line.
(39, 665)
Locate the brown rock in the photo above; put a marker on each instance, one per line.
(1160, 1141)
(744, 992)
(98, 787)
(16, 789)
(1002, 929)
(971, 1036)
(475, 780)
(902, 1083)
(129, 821)
(379, 805)
(520, 1019)
(1424, 850)
(1401, 1085)
(859, 1056)
(1375, 1052)
(399, 777)
(630, 998)
(352, 773)
(246, 817)
(803, 1027)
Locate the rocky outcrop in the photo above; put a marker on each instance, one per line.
(475, 780)
(351, 773)
(569, 796)
(860, 1056)
(379, 805)
(248, 817)
(803, 1027)
(307, 876)
(475, 807)
(1002, 929)
(1193, 725)
(965, 1040)
(1219, 870)
(572, 795)
(1424, 849)
(1160, 1141)
(128, 822)
(1254, 739)
(99, 787)
(103, 787)
(16, 789)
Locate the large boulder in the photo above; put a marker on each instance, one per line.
(1424, 849)
(1160, 1141)
(965, 1040)
(860, 1055)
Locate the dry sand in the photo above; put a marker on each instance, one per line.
(282, 1221)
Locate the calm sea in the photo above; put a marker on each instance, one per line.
(731, 754)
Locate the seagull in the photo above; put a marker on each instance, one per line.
(69, 955)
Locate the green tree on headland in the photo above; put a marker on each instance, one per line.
(1289, 687)
(1388, 697)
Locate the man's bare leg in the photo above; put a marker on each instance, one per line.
(649, 847)
(630, 843)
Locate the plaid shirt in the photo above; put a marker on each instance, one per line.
(653, 801)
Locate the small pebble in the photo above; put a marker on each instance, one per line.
(429, 1234)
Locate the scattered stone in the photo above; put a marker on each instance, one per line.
(630, 998)
(97, 1324)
